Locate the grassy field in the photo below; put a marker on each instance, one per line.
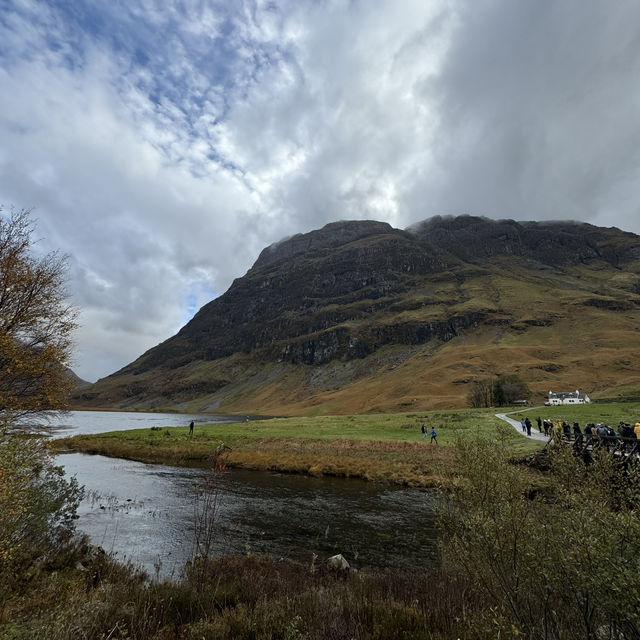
(385, 447)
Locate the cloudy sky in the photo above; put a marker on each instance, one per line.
(163, 143)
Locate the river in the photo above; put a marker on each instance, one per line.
(145, 513)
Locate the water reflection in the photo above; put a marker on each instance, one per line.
(146, 513)
(76, 422)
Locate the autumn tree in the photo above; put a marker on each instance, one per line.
(36, 323)
(37, 504)
(481, 393)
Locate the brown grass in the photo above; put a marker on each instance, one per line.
(406, 463)
(241, 597)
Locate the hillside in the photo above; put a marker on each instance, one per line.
(359, 316)
(77, 382)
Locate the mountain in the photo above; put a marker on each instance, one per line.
(76, 381)
(359, 316)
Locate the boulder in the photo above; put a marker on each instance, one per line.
(338, 562)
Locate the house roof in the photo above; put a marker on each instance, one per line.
(566, 394)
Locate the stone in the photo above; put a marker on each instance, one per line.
(338, 562)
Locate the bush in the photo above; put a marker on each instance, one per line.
(37, 509)
(559, 564)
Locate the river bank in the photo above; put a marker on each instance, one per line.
(385, 447)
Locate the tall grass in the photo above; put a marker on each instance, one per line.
(241, 597)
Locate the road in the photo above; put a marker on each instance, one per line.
(535, 434)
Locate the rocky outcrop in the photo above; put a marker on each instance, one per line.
(330, 236)
(476, 239)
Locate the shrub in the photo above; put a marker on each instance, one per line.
(37, 509)
(558, 564)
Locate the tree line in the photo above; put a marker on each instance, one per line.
(498, 391)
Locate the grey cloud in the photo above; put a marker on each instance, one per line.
(537, 105)
(165, 178)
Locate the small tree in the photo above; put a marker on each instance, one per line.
(511, 387)
(37, 504)
(36, 323)
(482, 394)
(498, 391)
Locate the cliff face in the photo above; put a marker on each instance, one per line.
(477, 240)
(352, 291)
(303, 290)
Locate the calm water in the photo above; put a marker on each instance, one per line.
(75, 422)
(145, 513)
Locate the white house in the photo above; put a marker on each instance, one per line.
(568, 397)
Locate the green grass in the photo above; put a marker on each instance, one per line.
(400, 427)
(384, 447)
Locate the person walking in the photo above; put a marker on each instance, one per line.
(191, 428)
(577, 434)
(523, 424)
(527, 424)
(539, 421)
(424, 432)
(588, 431)
(433, 436)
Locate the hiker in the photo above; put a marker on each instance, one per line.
(527, 424)
(433, 436)
(588, 431)
(577, 433)
(424, 432)
(539, 421)
(191, 428)
(627, 434)
(631, 442)
(523, 424)
(624, 429)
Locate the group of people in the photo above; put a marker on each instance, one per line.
(562, 429)
(434, 435)
(525, 423)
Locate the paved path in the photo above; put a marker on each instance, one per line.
(535, 434)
